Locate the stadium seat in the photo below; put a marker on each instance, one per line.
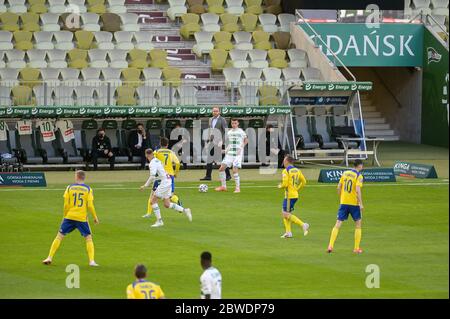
(84, 40)
(196, 6)
(90, 21)
(229, 22)
(9, 77)
(440, 7)
(261, 39)
(126, 95)
(273, 6)
(50, 22)
(292, 76)
(64, 95)
(110, 22)
(51, 151)
(272, 77)
(76, 6)
(56, 6)
(5, 95)
(278, 58)
(15, 59)
(71, 153)
(104, 40)
(422, 6)
(269, 95)
(249, 22)
(176, 9)
(3, 6)
(243, 40)
(30, 22)
(124, 40)
(78, 59)
(70, 77)
(321, 129)
(187, 95)
(70, 22)
(152, 77)
(303, 131)
(116, 6)
(218, 59)
(23, 40)
(158, 58)
(143, 40)
(44, 40)
(96, 6)
(22, 95)
(105, 94)
(298, 58)
(282, 40)
(91, 76)
(191, 24)
(129, 22)
(17, 6)
(118, 59)
(2, 60)
(30, 77)
(50, 76)
(215, 6)
(112, 76)
(258, 58)
(268, 22)
(311, 74)
(64, 40)
(147, 96)
(6, 40)
(166, 95)
(84, 96)
(254, 6)
(98, 58)
(131, 77)
(239, 58)
(222, 41)
(172, 76)
(9, 21)
(252, 76)
(154, 128)
(248, 95)
(138, 59)
(210, 22)
(232, 76)
(204, 43)
(234, 7)
(5, 146)
(57, 59)
(43, 95)
(285, 20)
(27, 145)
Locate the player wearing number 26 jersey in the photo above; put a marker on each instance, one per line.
(349, 192)
(142, 288)
(78, 200)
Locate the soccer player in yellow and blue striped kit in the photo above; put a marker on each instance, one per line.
(171, 165)
(293, 181)
(349, 192)
(78, 200)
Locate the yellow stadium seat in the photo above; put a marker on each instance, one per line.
(132, 77)
(78, 59)
(22, 95)
(249, 22)
(215, 6)
(261, 40)
(96, 6)
(277, 58)
(30, 22)
(37, 6)
(230, 22)
(158, 59)
(223, 41)
(139, 59)
(30, 77)
(126, 95)
(9, 22)
(191, 24)
(23, 40)
(254, 6)
(218, 59)
(269, 95)
(85, 40)
(172, 76)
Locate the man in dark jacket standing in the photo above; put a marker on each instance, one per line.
(219, 123)
(138, 143)
(101, 147)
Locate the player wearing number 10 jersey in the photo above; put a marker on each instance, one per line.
(349, 192)
(78, 200)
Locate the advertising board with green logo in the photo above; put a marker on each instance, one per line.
(357, 44)
(414, 170)
(435, 92)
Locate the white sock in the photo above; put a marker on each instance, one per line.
(237, 180)
(157, 211)
(223, 178)
(176, 207)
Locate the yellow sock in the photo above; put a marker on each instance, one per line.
(287, 225)
(149, 207)
(55, 245)
(296, 220)
(90, 249)
(357, 237)
(174, 199)
(334, 234)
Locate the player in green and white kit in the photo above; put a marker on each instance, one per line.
(237, 139)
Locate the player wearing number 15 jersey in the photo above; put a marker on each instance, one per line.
(78, 200)
(293, 181)
(142, 288)
(349, 192)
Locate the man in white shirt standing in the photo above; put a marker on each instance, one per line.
(163, 191)
(211, 279)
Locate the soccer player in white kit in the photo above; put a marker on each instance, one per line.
(211, 279)
(164, 190)
(237, 139)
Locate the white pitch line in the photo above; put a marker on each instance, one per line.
(254, 186)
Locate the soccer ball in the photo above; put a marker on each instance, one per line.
(203, 188)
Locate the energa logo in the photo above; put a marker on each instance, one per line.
(433, 55)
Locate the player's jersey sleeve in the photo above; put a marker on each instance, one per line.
(302, 180)
(359, 181)
(130, 292)
(159, 293)
(285, 179)
(206, 285)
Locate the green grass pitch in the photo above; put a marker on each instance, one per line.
(405, 233)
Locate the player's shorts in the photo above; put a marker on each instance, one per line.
(288, 204)
(164, 190)
(232, 161)
(345, 210)
(68, 225)
(156, 184)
